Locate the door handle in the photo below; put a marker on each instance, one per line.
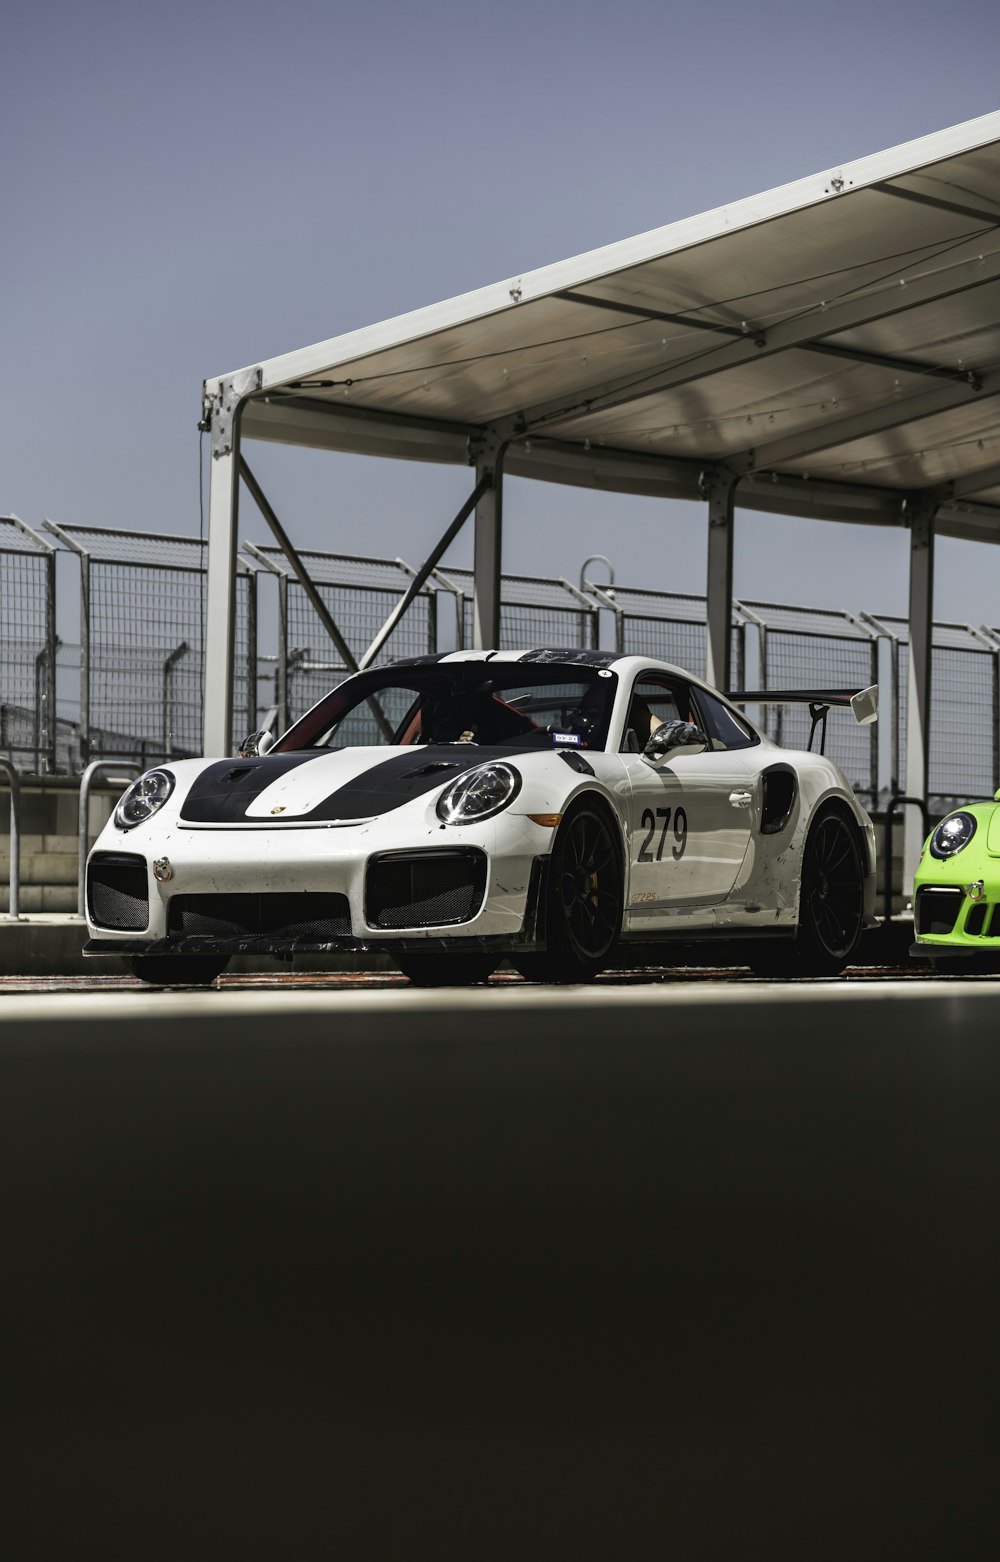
(741, 798)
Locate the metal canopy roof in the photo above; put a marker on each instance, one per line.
(835, 341)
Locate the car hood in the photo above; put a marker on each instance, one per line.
(993, 834)
(329, 786)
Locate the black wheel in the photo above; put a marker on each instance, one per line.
(447, 970)
(583, 911)
(176, 970)
(831, 906)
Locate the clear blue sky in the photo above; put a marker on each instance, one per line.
(190, 188)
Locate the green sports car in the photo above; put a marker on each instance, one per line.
(956, 901)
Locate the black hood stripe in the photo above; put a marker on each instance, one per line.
(224, 791)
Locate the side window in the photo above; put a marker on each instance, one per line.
(723, 725)
(653, 701)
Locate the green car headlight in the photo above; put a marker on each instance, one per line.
(479, 793)
(952, 835)
(143, 798)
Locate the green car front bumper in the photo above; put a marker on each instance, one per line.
(956, 899)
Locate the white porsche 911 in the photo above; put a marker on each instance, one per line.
(546, 807)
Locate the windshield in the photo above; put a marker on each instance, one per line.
(495, 704)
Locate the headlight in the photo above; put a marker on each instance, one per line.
(952, 834)
(479, 793)
(143, 798)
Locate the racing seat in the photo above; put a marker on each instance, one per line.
(640, 724)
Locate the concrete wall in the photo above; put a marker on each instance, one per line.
(49, 841)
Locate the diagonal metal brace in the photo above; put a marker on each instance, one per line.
(305, 580)
(485, 483)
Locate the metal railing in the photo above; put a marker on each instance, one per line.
(895, 802)
(27, 646)
(534, 611)
(13, 781)
(90, 775)
(359, 595)
(142, 598)
(668, 625)
(132, 690)
(964, 726)
(807, 647)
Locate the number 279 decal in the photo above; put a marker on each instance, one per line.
(651, 822)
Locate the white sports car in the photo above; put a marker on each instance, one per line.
(544, 806)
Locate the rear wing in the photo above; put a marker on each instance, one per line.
(863, 704)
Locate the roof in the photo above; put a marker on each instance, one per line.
(834, 342)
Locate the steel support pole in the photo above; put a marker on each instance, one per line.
(222, 416)
(220, 597)
(918, 690)
(52, 643)
(489, 454)
(719, 488)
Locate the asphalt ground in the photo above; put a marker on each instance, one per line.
(389, 981)
(672, 1266)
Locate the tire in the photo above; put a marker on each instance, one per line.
(447, 970)
(583, 904)
(176, 970)
(831, 906)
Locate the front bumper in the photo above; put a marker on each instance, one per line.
(952, 924)
(201, 892)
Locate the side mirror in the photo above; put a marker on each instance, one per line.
(673, 737)
(255, 744)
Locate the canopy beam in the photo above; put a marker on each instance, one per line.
(907, 411)
(813, 325)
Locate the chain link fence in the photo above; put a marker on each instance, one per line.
(27, 660)
(534, 611)
(964, 745)
(359, 593)
(142, 639)
(667, 625)
(133, 687)
(818, 648)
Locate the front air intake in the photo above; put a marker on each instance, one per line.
(425, 888)
(118, 891)
(937, 910)
(314, 918)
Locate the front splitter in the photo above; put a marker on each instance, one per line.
(286, 949)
